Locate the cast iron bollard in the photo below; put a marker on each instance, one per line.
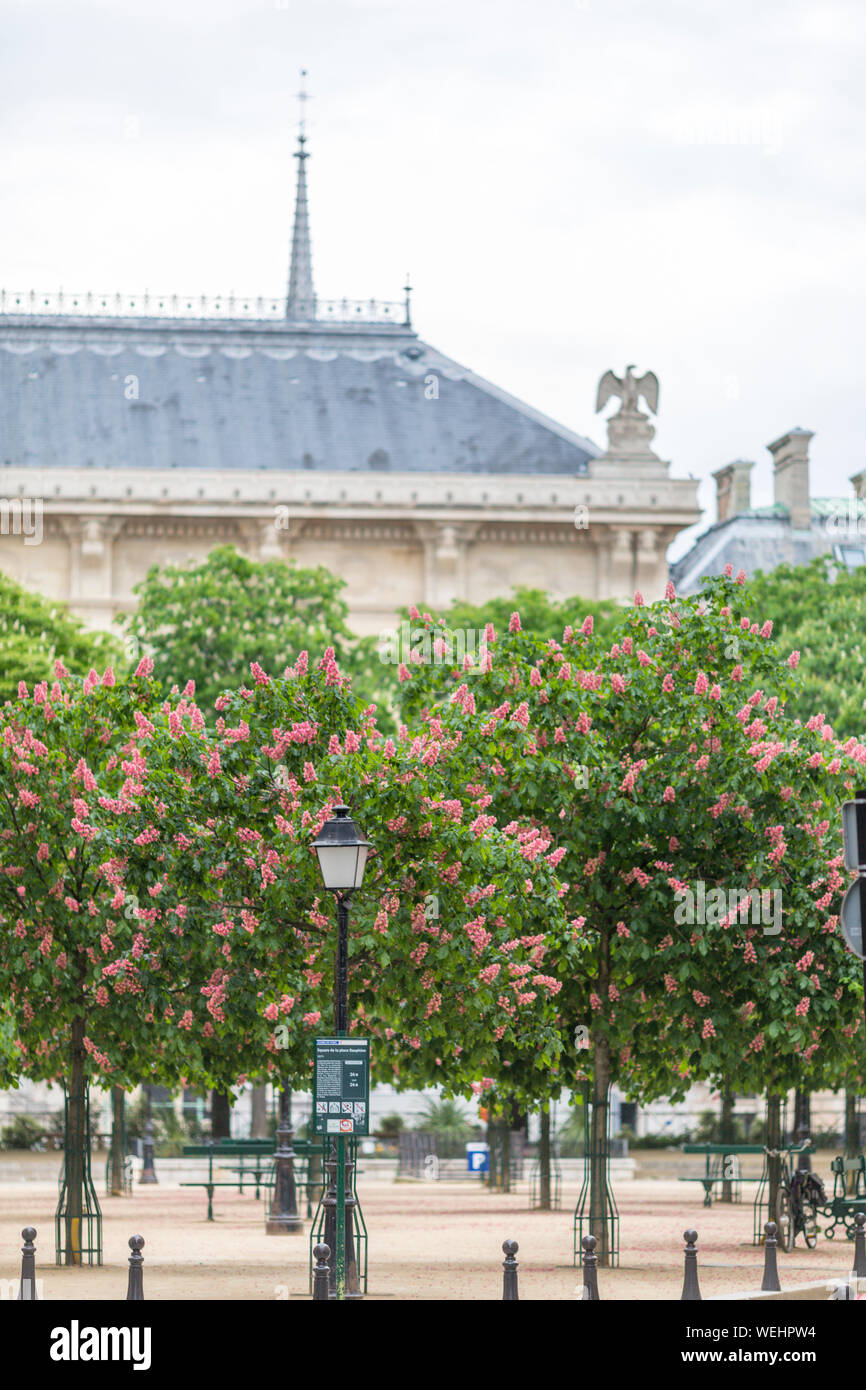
(860, 1246)
(590, 1270)
(509, 1276)
(691, 1293)
(148, 1172)
(135, 1288)
(27, 1288)
(321, 1273)
(771, 1269)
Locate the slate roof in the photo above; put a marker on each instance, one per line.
(242, 395)
(762, 539)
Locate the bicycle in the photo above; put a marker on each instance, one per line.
(798, 1199)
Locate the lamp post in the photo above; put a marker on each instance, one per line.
(148, 1172)
(283, 1218)
(342, 855)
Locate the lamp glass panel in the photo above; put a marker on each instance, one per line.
(363, 851)
(338, 864)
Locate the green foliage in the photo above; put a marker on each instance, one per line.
(707, 1127)
(445, 1117)
(662, 1140)
(390, 1126)
(541, 615)
(36, 631)
(170, 1133)
(23, 1133)
(572, 1134)
(818, 609)
(207, 622)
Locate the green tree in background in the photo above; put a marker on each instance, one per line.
(819, 610)
(540, 614)
(36, 631)
(207, 622)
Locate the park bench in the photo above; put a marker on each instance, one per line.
(717, 1170)
(259, 1171)
(844, 1205)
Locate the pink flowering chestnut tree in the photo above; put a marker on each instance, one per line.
(694, 827)
(445, 963)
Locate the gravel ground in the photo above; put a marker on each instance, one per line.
(426, 1241)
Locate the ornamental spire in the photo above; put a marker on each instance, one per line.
(301, 301)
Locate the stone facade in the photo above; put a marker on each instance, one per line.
(461, 495)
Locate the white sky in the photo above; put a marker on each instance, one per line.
(573, 184)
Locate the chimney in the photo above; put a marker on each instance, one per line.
(733, 489)
(791, 476)
(859, 481)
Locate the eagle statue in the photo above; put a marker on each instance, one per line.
(629, 389)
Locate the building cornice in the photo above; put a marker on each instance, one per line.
(312, 494)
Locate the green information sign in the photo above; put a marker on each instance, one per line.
(341, 1086)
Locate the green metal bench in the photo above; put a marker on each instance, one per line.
(716, 1170)
(260, 1173)
(843, 1206)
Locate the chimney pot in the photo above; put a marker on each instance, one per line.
(733, 489)
(791, 476)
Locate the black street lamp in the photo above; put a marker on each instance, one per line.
(342, 856)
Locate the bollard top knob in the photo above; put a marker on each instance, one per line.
(510, 1247)
(859, 1219)
(29, 1233)
(136, 1243)
(770, 1229)
(322, 1253)
(690, 1237)
(589, 1243)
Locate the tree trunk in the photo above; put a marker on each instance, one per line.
(774, 1141)
(726, 1135)
(505, 1171)
(802, 1127)
(220, 1112)
(74, 1141)
(494, 1144)
(852, 1137)
(259, 1122)
(544, 1160)
(118, 1156)
(599, 1224)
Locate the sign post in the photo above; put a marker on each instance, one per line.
(853, 913)
(341, 1106)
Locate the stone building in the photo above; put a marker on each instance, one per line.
(792, 530)
(145, 430)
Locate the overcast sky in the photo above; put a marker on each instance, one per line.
(573, 184)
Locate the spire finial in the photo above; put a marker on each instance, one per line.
(301, 300)
(407, 291)
(303, 98)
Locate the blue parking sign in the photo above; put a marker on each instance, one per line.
(478, 1158)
